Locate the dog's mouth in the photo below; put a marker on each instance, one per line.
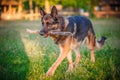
(49, 33)
(45, 36)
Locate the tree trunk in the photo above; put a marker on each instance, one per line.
(31, 9)
(47, 6)
(20, 6)
(5, 9)
(10, 9)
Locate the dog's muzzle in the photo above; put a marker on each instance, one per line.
(42, 33)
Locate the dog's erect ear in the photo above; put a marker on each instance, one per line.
(42, 12)
(54, 12)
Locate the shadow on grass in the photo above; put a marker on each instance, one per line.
(14, 62)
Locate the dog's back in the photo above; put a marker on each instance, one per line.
(80, 26)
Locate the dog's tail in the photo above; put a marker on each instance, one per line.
(100, 43)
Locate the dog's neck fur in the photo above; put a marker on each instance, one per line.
(64, 27)
(66, 23)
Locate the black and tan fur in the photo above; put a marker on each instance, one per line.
(82, 32)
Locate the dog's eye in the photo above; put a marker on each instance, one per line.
(55, 22)
(48, 23)
(42, 23)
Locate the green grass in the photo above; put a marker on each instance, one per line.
(28, 57)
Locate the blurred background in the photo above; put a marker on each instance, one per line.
(25, 56)
(29, 9)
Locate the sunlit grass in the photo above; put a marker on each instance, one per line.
(24, 56)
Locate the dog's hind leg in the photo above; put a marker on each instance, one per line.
(92, 55)
(91, 44)
(69, 58)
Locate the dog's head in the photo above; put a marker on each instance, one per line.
(51, 21)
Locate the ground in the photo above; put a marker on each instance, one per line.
(28, 56)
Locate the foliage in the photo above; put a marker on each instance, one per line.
(41, 3)
(85, 4)
(23, 56)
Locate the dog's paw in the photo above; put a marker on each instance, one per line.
(75, 64)
(93, 60)
(70, 68)
(49, 73)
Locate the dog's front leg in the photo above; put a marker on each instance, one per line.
(92, 55)
(69, 58)
(77, 52)
(63, 54)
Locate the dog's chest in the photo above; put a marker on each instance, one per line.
(58, 39)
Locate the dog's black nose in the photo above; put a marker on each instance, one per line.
(42, 33)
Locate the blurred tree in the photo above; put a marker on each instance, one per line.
(31, 6)
(70, 3)
(85, 4)
(47, 6)
(20, 6)
(26, 4)
(41, 3)
(46, 3)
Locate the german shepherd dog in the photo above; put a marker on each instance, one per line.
(82, 32)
